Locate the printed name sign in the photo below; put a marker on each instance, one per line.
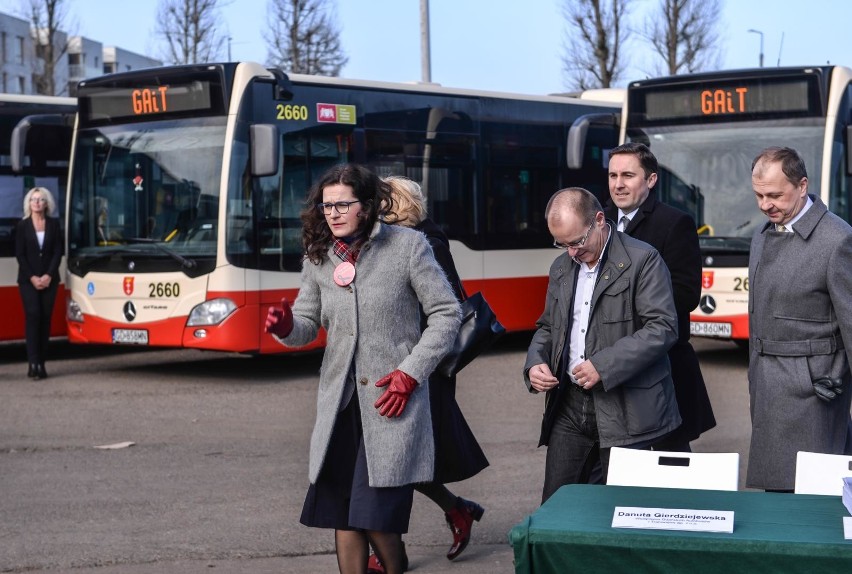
(673, 519)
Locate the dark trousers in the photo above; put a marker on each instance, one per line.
(673, 443)
(38, 308)
(573, 450)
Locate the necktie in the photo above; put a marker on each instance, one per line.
(780, 227)
(622, 223)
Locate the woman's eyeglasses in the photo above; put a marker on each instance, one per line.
(342, 207)
(38, 200)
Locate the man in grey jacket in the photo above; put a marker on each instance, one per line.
(600, 351)
(800, 315)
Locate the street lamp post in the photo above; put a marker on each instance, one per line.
(425, 51)
(753, 31)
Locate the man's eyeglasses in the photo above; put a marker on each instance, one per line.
(342, 207)
(575, 244)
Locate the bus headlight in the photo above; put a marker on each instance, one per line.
(73, 311)
(211, 312)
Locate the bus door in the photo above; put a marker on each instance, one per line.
(437, 148)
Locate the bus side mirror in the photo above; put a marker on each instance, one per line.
(848, 150)
(264, 149)
(18, 144)
(43, 137)
(576, 146)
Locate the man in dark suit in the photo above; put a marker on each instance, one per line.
(638, 213)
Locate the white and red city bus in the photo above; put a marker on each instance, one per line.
(43, 161)
(705, 130)
(187, 182)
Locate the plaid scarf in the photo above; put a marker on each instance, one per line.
(346, 252)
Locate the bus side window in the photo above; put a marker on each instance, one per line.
(7, 236)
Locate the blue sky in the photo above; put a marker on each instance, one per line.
(503, 45)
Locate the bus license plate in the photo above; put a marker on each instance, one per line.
(705, 329)
(130, 336)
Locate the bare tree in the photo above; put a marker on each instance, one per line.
(683, 33)
(190, 29)
(597, 31)
(303, 38)
(51, 44)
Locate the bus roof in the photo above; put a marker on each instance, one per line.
(37, 99)
(727, 74)
(432, 88)
(414, 87)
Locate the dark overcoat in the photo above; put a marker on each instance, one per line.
(672, 232)
(458, 455)
(800, 316)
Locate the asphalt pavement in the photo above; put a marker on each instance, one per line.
(217, 475)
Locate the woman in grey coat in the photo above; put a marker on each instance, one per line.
(365, 282)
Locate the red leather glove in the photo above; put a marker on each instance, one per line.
(279, 320)
(399, 387)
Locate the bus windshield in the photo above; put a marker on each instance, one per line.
(705, 170)
(147, 188)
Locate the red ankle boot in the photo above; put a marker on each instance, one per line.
(460, 520)
(374, 565)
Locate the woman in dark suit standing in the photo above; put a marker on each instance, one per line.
(38, 249)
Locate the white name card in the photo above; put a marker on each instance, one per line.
(847, 527)
(673, 519)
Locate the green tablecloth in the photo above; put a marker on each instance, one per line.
(776, 533)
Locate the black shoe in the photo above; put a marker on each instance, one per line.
(32, 370)
(41, 373)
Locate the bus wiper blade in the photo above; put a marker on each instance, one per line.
(84, 261)
(187, 263)
(722, 243)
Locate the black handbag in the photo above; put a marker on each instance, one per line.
(479, 329)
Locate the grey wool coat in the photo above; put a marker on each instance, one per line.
(800, 316)
(373, 328)
(632, 324)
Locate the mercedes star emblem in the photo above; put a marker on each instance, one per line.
(707, 304)
(129, 311)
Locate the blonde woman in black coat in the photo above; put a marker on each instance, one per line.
(38, 248)
(458, 455)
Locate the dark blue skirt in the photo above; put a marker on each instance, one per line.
(342, 497)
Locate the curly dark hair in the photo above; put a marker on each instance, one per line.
(373, 193)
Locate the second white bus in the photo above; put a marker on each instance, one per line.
(705, 130)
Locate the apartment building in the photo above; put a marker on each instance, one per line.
(22, 62)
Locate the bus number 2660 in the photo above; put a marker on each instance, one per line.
(160, 290)
(292, 112)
